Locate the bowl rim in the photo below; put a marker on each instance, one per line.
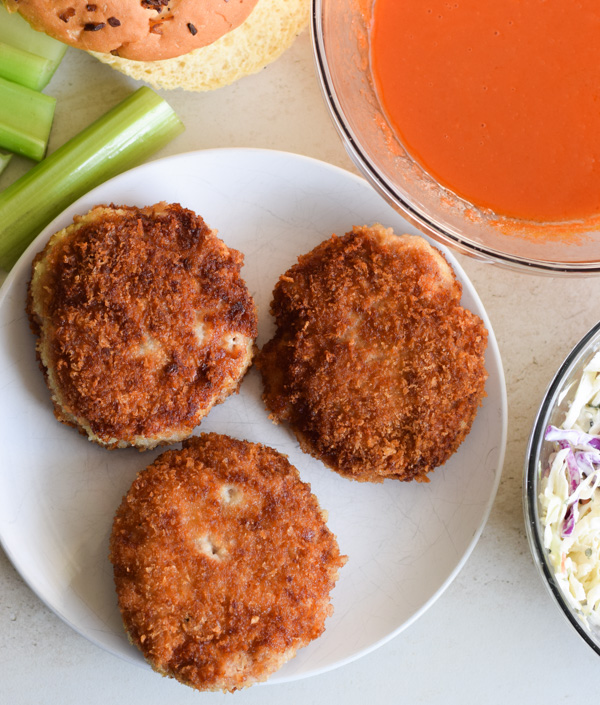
(530, 500)
(386, 190)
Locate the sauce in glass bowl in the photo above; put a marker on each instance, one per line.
(498, 101)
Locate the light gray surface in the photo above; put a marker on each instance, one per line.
(494, 636)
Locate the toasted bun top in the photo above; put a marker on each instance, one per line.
(142, 30)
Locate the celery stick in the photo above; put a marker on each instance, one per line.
(17, 33)
(24, 67)
(124, 137)
(25, 119)
(4, 159)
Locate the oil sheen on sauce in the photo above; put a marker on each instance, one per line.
(499, 100)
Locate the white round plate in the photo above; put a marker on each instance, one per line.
(58, 492)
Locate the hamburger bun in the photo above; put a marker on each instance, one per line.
(141, 30)
(269, 28)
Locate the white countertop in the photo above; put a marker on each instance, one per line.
(494, 636)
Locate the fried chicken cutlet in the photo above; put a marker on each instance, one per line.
(375, 365)
(223, 563)
(143, 323)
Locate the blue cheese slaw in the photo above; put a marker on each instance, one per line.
(570, 498)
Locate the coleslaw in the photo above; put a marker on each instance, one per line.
(570, 498)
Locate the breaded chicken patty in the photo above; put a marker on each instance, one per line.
(375, 365)
(143, 323)
(223, 563)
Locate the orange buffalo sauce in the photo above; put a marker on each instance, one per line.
(499, 100)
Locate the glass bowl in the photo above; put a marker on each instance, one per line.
(552, 411)
(340, 32)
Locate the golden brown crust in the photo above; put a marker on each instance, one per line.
(375, 365)
(143, 323)
(223, 563)
(141, 30)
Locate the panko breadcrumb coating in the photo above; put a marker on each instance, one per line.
(375, 365)
(143, 323)
(223, 563)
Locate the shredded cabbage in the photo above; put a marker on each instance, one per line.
(570, 498)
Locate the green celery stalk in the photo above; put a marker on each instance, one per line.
(122, 138)
(4, 159)
(25, 119)
(20, 66)
(17, 33)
